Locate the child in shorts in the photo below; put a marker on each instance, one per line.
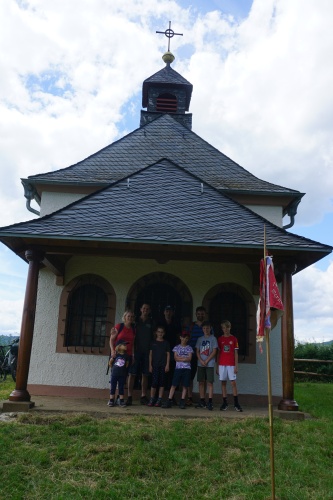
(206, 348)
(182, 374)
(228, 364)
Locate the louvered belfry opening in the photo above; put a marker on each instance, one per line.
(166, 103)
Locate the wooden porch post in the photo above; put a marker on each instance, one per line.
(20, 392)
(287, 333)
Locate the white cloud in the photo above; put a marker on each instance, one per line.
(268, 102)
(313, 304)
(72, 71)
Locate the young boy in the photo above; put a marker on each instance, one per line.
(206, 348)
(228, 364)
(182, 374)
(159, 365)
(119, 364)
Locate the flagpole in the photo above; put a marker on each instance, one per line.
(270, 406)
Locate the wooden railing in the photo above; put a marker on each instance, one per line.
(312, 374)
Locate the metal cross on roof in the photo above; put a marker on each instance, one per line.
(169, 33)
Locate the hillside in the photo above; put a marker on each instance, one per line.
(8, 339)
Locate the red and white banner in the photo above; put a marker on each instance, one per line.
(269, 299)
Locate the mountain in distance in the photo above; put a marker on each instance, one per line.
(328, 342)
(8, 339)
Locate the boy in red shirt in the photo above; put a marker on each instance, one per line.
(228, 364)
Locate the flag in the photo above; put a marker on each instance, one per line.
(269, 299)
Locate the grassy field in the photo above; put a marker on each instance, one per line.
(79, 457)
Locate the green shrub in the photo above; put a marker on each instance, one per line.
(318, 352)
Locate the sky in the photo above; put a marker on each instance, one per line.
(71, 79)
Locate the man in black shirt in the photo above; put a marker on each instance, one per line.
(172, 331)
(143, 339)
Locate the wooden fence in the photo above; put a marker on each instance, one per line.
(312, 374)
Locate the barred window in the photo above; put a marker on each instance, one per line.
(86, 317)
(229, 301)
(231, 306)
(86, 314)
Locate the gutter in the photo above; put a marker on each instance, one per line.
(292, 211)
(31, 194)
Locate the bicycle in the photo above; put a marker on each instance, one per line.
(8, 360)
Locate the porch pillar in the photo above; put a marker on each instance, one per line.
(20, 392)
(287, 336)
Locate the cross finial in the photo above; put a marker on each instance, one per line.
(169, 33)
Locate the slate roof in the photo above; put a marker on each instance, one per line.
(162, 204)
(166, 76)
(162, 138)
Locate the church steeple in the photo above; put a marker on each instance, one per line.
(166, 92)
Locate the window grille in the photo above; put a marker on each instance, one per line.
(231, 306)
(86, 317)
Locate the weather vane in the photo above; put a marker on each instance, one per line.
(169, 33)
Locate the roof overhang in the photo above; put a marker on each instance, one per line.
(58, 250)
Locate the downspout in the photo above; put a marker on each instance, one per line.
(292, 211)
(31, 194)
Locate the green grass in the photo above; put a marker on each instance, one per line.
(6, 387)
(78, 456)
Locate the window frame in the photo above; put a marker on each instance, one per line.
(67, 292)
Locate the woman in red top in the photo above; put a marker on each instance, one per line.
(124, 331)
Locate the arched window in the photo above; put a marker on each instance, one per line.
(228, 301)
(166, 103)
(86, 317)
(159, 290)
(230, 306)
(159, 295)
(87, 308)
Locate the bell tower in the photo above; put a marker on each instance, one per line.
(166, 92)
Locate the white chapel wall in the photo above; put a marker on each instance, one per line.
(273, 214)
(51, 368)
(52, 201)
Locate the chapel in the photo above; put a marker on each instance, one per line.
(158, 216)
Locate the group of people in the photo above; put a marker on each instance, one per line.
(172, 356)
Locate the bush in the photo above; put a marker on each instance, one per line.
(314, 351)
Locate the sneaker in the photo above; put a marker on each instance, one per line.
(238, 407)
(158, 403)
(201, 404)
(224, 406)
(168, 404)
(144, 400)
(189, 402)
(210, 406)
(122, 403)
(110, 403)
(151, 402)
(129, 401)
(182, 404)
